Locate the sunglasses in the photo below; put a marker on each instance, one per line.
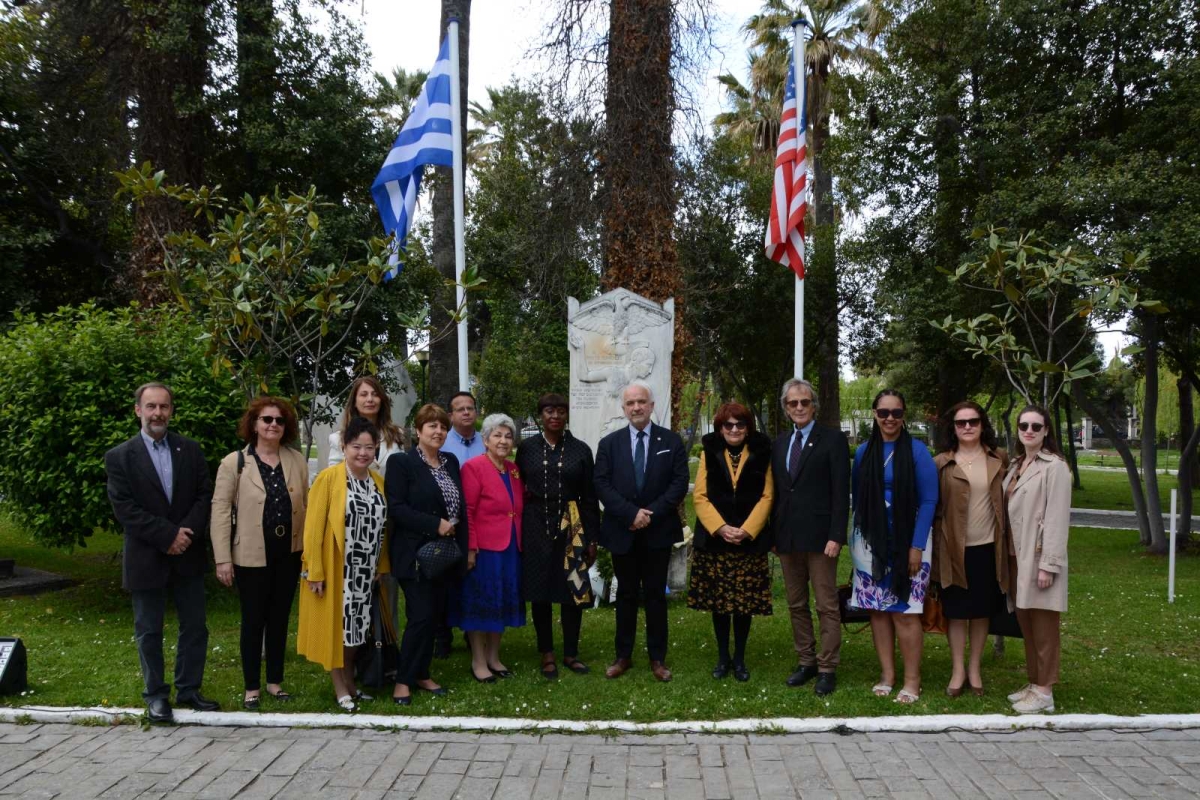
(733, 425)
(973, 422)
(280, 421)
(803, 402)
(1036, 427)
(894, 413)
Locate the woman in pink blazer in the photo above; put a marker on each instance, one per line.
(491, 600)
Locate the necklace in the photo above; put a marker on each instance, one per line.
(968, 464)
(547, 454)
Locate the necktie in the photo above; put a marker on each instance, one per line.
(639, 461)
(794, 457)
(468, 442)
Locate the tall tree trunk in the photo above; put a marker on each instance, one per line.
(257, 69)
(1109, 426)
(1158, 537)
(701, 396)
(1189, 439)
(1066, 402)
(822, 278)
(170, 72)
(638, 162)
(443, 352)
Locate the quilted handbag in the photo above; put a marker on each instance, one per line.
(435, 557)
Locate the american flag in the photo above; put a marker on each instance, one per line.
(789, 196)
(425, 139)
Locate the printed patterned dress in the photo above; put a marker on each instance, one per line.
(878, 595)
(366, 511)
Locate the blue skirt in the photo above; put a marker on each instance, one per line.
(490, 600)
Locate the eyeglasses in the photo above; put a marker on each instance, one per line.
(973, 422)
(803, 402)
(894, 413)
(280, 421)
(1036, 427)
(733, 425)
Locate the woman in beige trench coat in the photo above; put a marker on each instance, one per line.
(1038, 514)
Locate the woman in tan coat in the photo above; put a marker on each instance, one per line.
(267, 484)
(969, 519)
(1038, 501)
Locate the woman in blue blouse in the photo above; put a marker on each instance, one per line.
(895, 486)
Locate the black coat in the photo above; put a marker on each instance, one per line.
(151, 523)
(665, 487)
(814, 509)
(416, 508)
(734, 504)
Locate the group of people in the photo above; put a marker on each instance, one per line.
(470, 535)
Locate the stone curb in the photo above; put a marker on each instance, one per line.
(982, 723)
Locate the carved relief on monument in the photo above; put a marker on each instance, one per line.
(614, 339)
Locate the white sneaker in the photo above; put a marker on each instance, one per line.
(1035, 703)
(1019, 694)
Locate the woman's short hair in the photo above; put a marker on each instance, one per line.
(246, 426)
(987, 434)
(551, 400)
(493, 421)
(735, 411)
(431, 412)
(390, 432)
(357, 427)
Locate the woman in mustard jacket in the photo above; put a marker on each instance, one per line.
(343, 543)
(268, 483)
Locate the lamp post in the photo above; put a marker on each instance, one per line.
(422, 357)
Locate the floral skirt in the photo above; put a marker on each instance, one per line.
(730, 583)
(875, 595)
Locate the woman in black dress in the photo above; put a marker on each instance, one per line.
(557, 471)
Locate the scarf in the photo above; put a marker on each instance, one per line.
(889, 549)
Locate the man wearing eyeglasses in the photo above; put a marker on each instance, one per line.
(811, 468)
(160, 490)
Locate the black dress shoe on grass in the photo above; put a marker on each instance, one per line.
(720, 670)
(802, 675)
(199, 702)
(740, 673)
(826, 683)
(160, 711)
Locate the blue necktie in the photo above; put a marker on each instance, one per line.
(639, 461)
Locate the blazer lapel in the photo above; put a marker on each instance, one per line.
(141, 457)
(252, 467)
(814, 436)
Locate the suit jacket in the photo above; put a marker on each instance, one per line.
(491, 511)
(813, 509)
(149, 522)
(1038, 516)
(665, 487)
(247, 547)
(416, 507)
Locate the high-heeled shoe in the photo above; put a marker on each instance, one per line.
(976, 690)
(488, 679)
(955, 691)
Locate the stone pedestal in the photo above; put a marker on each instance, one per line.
(615, 339)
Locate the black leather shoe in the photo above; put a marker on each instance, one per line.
(402, 701)
(741, 673)
(501, 673)
(802, 675)
(489, 679)
(160, 711)
(199, 702)
(721, 670)
(826, 683)
(438, 692)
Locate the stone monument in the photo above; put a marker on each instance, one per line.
(614, 339)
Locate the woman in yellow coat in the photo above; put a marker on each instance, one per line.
(343, 543)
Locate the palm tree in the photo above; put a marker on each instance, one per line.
(841, 33)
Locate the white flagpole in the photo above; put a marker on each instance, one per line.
(460, 247)
(801, 106)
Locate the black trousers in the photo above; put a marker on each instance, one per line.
(543, 623)
(149, 608)
(645, 570)
(266, 594)
(416, 645)
(440, 597)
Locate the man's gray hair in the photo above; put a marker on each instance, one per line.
(493, 421)
(137, 393)
(792, 384)
(638, 384)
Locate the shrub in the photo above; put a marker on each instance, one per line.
(66, 396)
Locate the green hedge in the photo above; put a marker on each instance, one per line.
(66, 396)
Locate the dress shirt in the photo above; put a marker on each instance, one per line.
(803, 434)
(633, 432)
(462, 448)
(160, 457)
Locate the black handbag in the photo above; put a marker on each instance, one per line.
(848, 612)
(375, 664)
(435, 557)
(1004, 623)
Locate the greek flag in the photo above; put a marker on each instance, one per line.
(424, 139)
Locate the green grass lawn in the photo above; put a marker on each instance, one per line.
(1125, 651)
(1109, 491)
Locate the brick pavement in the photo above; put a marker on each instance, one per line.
(76, 761)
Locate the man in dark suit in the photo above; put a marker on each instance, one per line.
(160, 490)
(811, 465)
(641, 478)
